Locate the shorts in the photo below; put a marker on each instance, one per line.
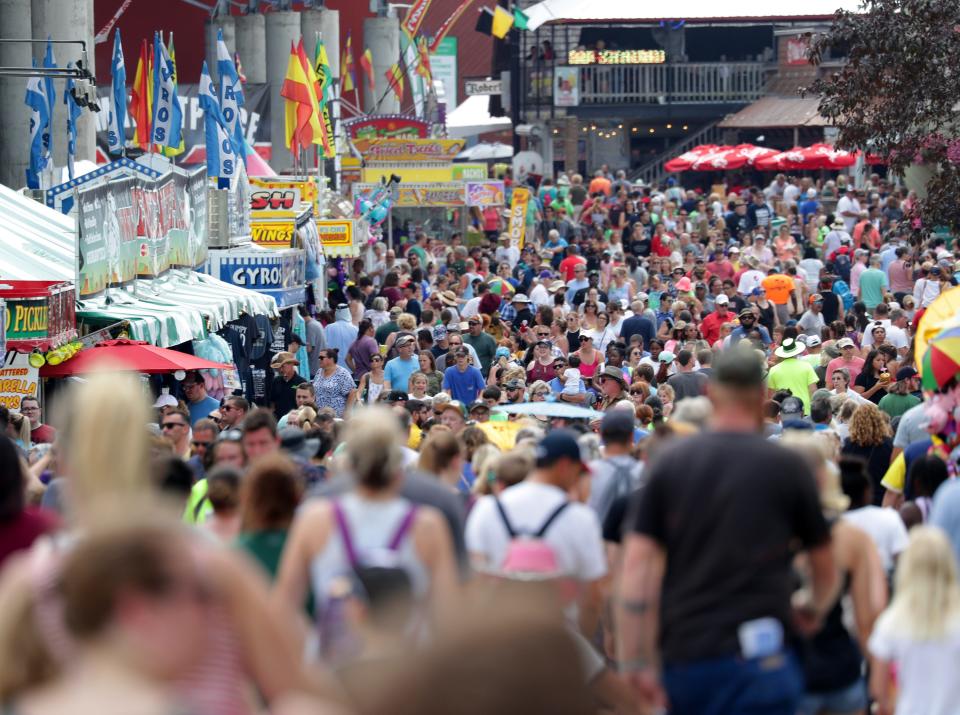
(849, 699)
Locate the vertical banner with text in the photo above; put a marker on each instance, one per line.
(518, 216)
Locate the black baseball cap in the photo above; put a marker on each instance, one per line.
(556, 445)
(396, 396)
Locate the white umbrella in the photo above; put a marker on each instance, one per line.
(485, 152)
(472, 117)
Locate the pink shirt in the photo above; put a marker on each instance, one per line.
(901, 277)
(855, 366)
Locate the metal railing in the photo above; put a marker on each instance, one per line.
(652, 171)
(679, 83)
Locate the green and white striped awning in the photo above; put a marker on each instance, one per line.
(179, 307)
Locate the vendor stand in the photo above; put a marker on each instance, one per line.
(434, 194)
(40, 324)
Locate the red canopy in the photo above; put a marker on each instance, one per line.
(685, 160)
(753, 154)
(129, 355)
(721, 159)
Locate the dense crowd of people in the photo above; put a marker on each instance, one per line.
(673, 446)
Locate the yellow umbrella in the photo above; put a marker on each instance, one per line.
(942, 313)
(502, 434)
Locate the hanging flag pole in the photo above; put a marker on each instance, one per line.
(117, 121)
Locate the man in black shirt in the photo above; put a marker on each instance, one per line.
(283, 388)
(832, 307)
(706, 584)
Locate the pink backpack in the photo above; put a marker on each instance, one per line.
(529, 557)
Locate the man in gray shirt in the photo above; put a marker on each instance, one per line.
(315, 340)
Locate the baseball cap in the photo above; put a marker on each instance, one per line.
(557, 445)
(617, 424)
(502, 352)
(905, 373)
(845, 343)
(165, 400)
(722, 299)
(396, 396)
(791, 407)
(812, 341)
(404, 339)
(479, 405)
(514, 385)
(454, 405)
(461, 352)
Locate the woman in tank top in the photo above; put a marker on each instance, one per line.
(370, 524)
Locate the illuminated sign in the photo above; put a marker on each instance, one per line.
(616, 57)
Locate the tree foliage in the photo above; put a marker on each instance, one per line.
(898, 93)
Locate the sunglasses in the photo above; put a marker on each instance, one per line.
(171, 425)
(200, 443)
(376, 359)
(231, 435)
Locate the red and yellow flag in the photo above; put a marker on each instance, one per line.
(301, 111)
(141, 96)
(325, 138)
(423, 61)
(394, 77)
(366, 63)
(348, 82)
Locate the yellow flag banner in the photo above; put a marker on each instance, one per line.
(518, 216)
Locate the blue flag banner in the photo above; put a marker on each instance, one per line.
(167, 114)
(221, 156)
(117, 121)
(231, 94)
(36, 99)
(49, 62)
(73, 114)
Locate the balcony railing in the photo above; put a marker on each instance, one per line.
(678, 83)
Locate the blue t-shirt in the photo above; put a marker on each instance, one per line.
(463, 386)
(199, 410)
(398, 372)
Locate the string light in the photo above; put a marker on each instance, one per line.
(593, 127)
(619, 126)
(652, 130)
(684, 127)
(613, 134)
(634, 130)
(669, 126)
(583, 129)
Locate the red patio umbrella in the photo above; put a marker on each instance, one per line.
(721, 159)
(818, 156)
(685, 160)
(129, 355)
(753, 153)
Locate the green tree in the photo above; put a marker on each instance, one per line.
(898, 93)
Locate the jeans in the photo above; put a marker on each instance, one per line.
(734, 686)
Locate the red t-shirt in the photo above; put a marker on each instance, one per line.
(20, 532)
(568, 264)
(44, 434)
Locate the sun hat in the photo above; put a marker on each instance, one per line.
(448, 297)
(838, 223)
(283, 358)
(790, 347)
(521, 298)
(614, 373)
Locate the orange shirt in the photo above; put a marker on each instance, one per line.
(599, 183)
(778, 288)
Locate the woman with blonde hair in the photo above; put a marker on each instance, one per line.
(406, 325)
(18, 430)
(249, 644)
(120, 623)
(919, 634)
(833, 658)
(871, 440)
(332, 537)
